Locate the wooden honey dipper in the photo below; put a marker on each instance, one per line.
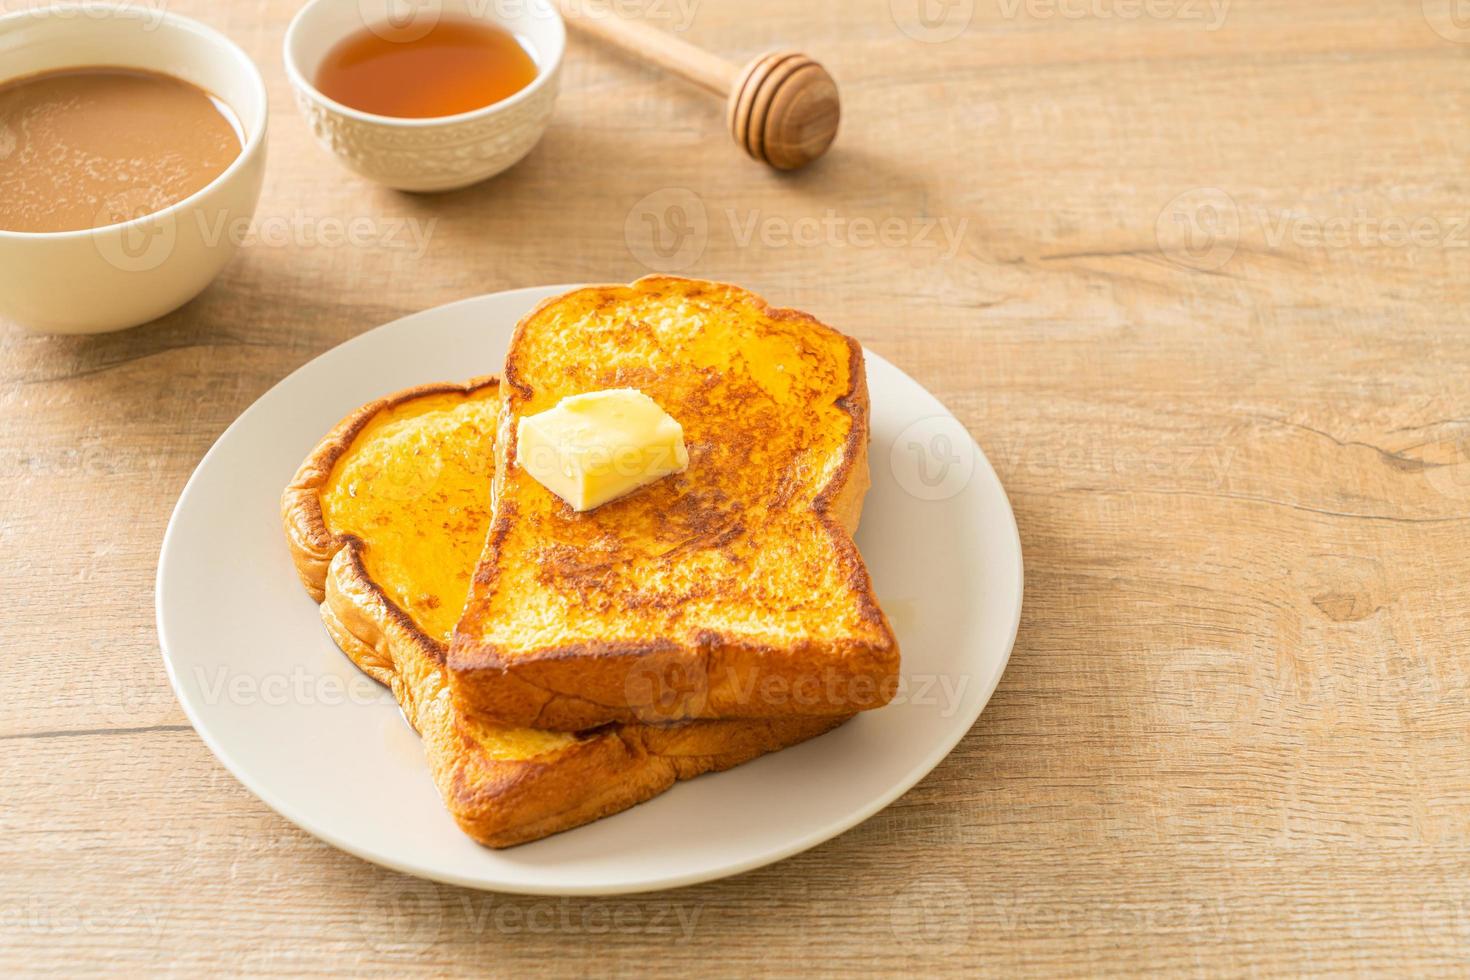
(782, 107)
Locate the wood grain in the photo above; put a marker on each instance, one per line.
(1169, 277)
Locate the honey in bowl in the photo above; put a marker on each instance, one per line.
(457, 65)
(88, 147)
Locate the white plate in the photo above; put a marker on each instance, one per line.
(325, 747)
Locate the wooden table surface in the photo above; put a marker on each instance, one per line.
(1197, 277)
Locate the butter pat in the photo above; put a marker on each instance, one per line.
(599, 446)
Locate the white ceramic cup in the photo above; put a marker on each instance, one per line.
(439, 153)
(124, 274)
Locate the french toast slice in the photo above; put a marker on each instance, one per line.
(385, 520)
(730, 590)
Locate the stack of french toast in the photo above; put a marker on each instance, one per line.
(571, 624)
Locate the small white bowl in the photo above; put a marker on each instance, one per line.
(120, 275)
(433, 154)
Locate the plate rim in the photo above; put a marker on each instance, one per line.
(652, 883)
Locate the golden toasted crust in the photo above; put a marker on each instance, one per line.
(731, 590)
(502, 787)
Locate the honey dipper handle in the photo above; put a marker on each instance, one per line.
(651, 44)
